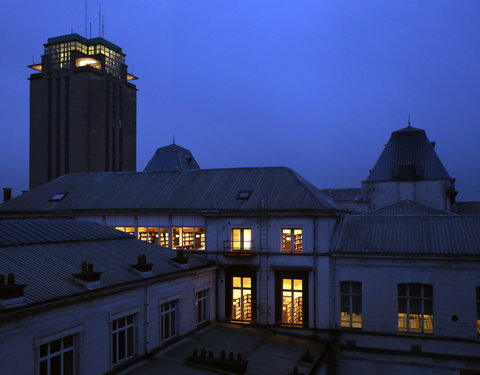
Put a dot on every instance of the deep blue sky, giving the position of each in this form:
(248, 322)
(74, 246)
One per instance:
(317, 85)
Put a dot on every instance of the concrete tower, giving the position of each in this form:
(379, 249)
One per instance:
(82, 110)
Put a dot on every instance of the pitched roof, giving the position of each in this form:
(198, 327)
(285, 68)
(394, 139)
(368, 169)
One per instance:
(408, 147)
(407, 207)
(273, 188)
(171, 158)
(429, 235)
(344, 194)
(48, 264)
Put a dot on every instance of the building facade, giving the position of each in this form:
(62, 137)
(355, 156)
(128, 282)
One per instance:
(82, 110)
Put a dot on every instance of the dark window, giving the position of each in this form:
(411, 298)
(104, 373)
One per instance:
(168, 320)
(58, 357)
(123, 339)
(201, 306)
(415, 308)
(351, 304)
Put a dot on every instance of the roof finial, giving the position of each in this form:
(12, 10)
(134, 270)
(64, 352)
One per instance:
(409, 125)
(173, 139)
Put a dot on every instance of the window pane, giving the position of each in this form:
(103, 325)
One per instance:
(415, 290)
(402, 289)
(43, 368)
(356, 288)
(68, 363)
(130, 341)
(114, 348)
(43, 350)
(345, 287)
(55, 346)
(68, 341)
(247, 282)
(297, 284)
(55, 365)
(121, 344)
(236, 282)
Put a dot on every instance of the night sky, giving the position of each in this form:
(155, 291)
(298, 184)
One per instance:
(317, 86)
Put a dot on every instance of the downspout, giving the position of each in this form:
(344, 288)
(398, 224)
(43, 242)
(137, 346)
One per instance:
(147, 319)
(315, 273)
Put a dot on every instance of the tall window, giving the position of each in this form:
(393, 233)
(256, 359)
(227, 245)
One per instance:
(168, 319)
(242, 299)
(478, 311)
(415, 308)
(58, 357)
(123, 339)
(351, 304)
(292, 301)
(201, 306)
(292, 240)
(241, 239)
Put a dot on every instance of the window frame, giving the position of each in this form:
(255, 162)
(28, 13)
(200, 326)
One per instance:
(115, 334)
(280, 275)
(424, 318)
(238, 271)
(244, 245)
(169, 312)
(352, 307)
(293, 240)
(201, 306)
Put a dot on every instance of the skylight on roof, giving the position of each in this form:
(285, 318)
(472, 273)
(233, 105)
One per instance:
(58, 197)
(244, 194)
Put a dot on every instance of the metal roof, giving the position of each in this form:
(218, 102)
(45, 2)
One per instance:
(408, 146)
(407, 207)
(468, 208)
(47, 268)
(25, 232)
(344, 194)
(272, 188)
(429, 235)
(171, 158)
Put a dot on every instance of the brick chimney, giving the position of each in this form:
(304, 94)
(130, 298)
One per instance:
(142, 268)
(88, 277)
(7, 194)
(11, 294)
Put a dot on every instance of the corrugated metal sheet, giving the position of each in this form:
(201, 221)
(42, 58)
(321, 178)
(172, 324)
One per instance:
(408, 146)
(47, 268)
(24, 232)
(468, 208)
(204, 189)
(433, 235)
(345, 194)
(171, 158)
(408, 208)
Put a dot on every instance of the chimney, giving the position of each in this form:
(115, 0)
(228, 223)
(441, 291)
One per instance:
(181, 259)
(7, 194)
(11, 294)
(88, 278)
(142, 268)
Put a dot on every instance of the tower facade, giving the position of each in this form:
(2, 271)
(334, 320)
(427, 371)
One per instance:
(82, 110)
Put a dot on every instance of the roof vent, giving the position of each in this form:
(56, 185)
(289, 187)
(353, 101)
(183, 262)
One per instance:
(58, 197)
(88, 278)
(11, 294)
(244, 194)
(7, 194)
(142, 268)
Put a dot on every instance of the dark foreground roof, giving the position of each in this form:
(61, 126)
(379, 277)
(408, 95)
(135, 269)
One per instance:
(171, 158)
(408, 146)
(47, 266)
(204, 189)
(429, 235)
(468, 208)
(408, 207)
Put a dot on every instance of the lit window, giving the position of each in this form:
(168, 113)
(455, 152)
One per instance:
(164, 234)
(123, 339)
(351, 304)
(129, 230)
(201, 306)
(292, 240)
(244, 195)
(415, 308)
(168, 320)
(241, 239)
(58, 196)
(58, 357)
(242, 299)
(292, 301)
(188, 238)
(149, 234)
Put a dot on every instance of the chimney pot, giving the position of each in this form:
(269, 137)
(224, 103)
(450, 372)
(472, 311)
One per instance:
(7, 194)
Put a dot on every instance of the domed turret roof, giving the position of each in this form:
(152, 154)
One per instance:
(171, 158)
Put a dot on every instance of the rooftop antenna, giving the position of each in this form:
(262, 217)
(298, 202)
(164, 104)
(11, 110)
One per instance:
(86, 19)
(90, 30)
(409, 125)
(100, 19)
(103, 26)
(33, 59)
(71, 31)
(173, 139)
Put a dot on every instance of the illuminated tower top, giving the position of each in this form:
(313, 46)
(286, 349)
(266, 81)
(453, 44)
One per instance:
(73, 50)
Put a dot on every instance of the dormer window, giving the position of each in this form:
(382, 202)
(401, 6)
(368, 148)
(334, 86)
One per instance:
(244, 194)
(58, 197)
